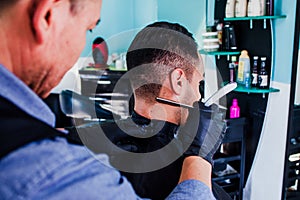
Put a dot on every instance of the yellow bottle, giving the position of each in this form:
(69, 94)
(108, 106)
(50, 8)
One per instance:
(243, 67)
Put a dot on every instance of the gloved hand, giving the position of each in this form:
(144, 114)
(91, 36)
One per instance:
(203, 132)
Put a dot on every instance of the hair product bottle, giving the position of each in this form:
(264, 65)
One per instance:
(263, 7)
(243, 67)
(219, 28)
(270, 7)
(234, 109)
(229, 9)
(240, 8)
(226, 37)
(229, 40)
(232, 37)
(254, 8)
(254, 82)
(231, 72)
(263, 77)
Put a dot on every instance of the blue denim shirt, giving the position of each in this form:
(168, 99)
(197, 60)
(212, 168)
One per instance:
(55, 169)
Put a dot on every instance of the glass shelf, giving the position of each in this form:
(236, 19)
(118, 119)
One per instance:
(220, 53)
(243, 89)
(255, 18)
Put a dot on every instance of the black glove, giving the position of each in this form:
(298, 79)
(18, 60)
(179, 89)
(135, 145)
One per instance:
(204, 131)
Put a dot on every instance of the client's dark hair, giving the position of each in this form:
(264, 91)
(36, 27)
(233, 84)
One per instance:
(160, 48)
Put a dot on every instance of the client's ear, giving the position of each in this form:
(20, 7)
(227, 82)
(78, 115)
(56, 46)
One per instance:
(178, 80)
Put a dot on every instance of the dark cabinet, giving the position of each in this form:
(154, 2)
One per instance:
(229, 166)
(291, 178)
(292, 165)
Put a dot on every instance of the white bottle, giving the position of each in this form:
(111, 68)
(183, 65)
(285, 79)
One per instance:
(254, 8)
(230, 7)
(262, 7)
(240, 8)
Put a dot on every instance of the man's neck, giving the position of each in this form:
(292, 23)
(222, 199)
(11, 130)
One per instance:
(5, 55)
(13, 44)
(158, 111)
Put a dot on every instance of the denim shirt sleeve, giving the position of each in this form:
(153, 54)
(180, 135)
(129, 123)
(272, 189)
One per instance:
(191, 189)
(54, 169)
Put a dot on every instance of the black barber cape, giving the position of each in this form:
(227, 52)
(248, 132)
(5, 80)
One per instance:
(144, 136)
(157, 184)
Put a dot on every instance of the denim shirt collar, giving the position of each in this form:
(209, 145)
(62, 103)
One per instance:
(14, 90)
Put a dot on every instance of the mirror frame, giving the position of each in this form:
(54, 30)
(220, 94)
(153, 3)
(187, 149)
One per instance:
(295, 67)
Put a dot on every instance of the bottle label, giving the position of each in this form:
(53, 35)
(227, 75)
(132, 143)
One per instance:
(254, 78)
(263, 80)
(240, 76)
(234, 112)
(247, 81)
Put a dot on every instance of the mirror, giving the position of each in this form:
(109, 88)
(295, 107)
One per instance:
(295, 81)
(297, 87)
(291, 187)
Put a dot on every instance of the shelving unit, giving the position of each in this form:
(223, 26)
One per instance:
(240, 87)
(258, 40)
(233, 182)
(252, 90)
(220, 53)
(255, 18)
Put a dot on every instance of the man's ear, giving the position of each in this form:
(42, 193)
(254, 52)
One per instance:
(178, 80)
(42, 19)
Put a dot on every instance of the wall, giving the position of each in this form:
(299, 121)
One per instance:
(122, 19)
(119, 21)
(190, 13)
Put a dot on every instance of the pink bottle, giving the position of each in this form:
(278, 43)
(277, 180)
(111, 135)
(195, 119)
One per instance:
(234, 109)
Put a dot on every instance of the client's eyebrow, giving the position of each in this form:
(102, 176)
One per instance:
(97, 22)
